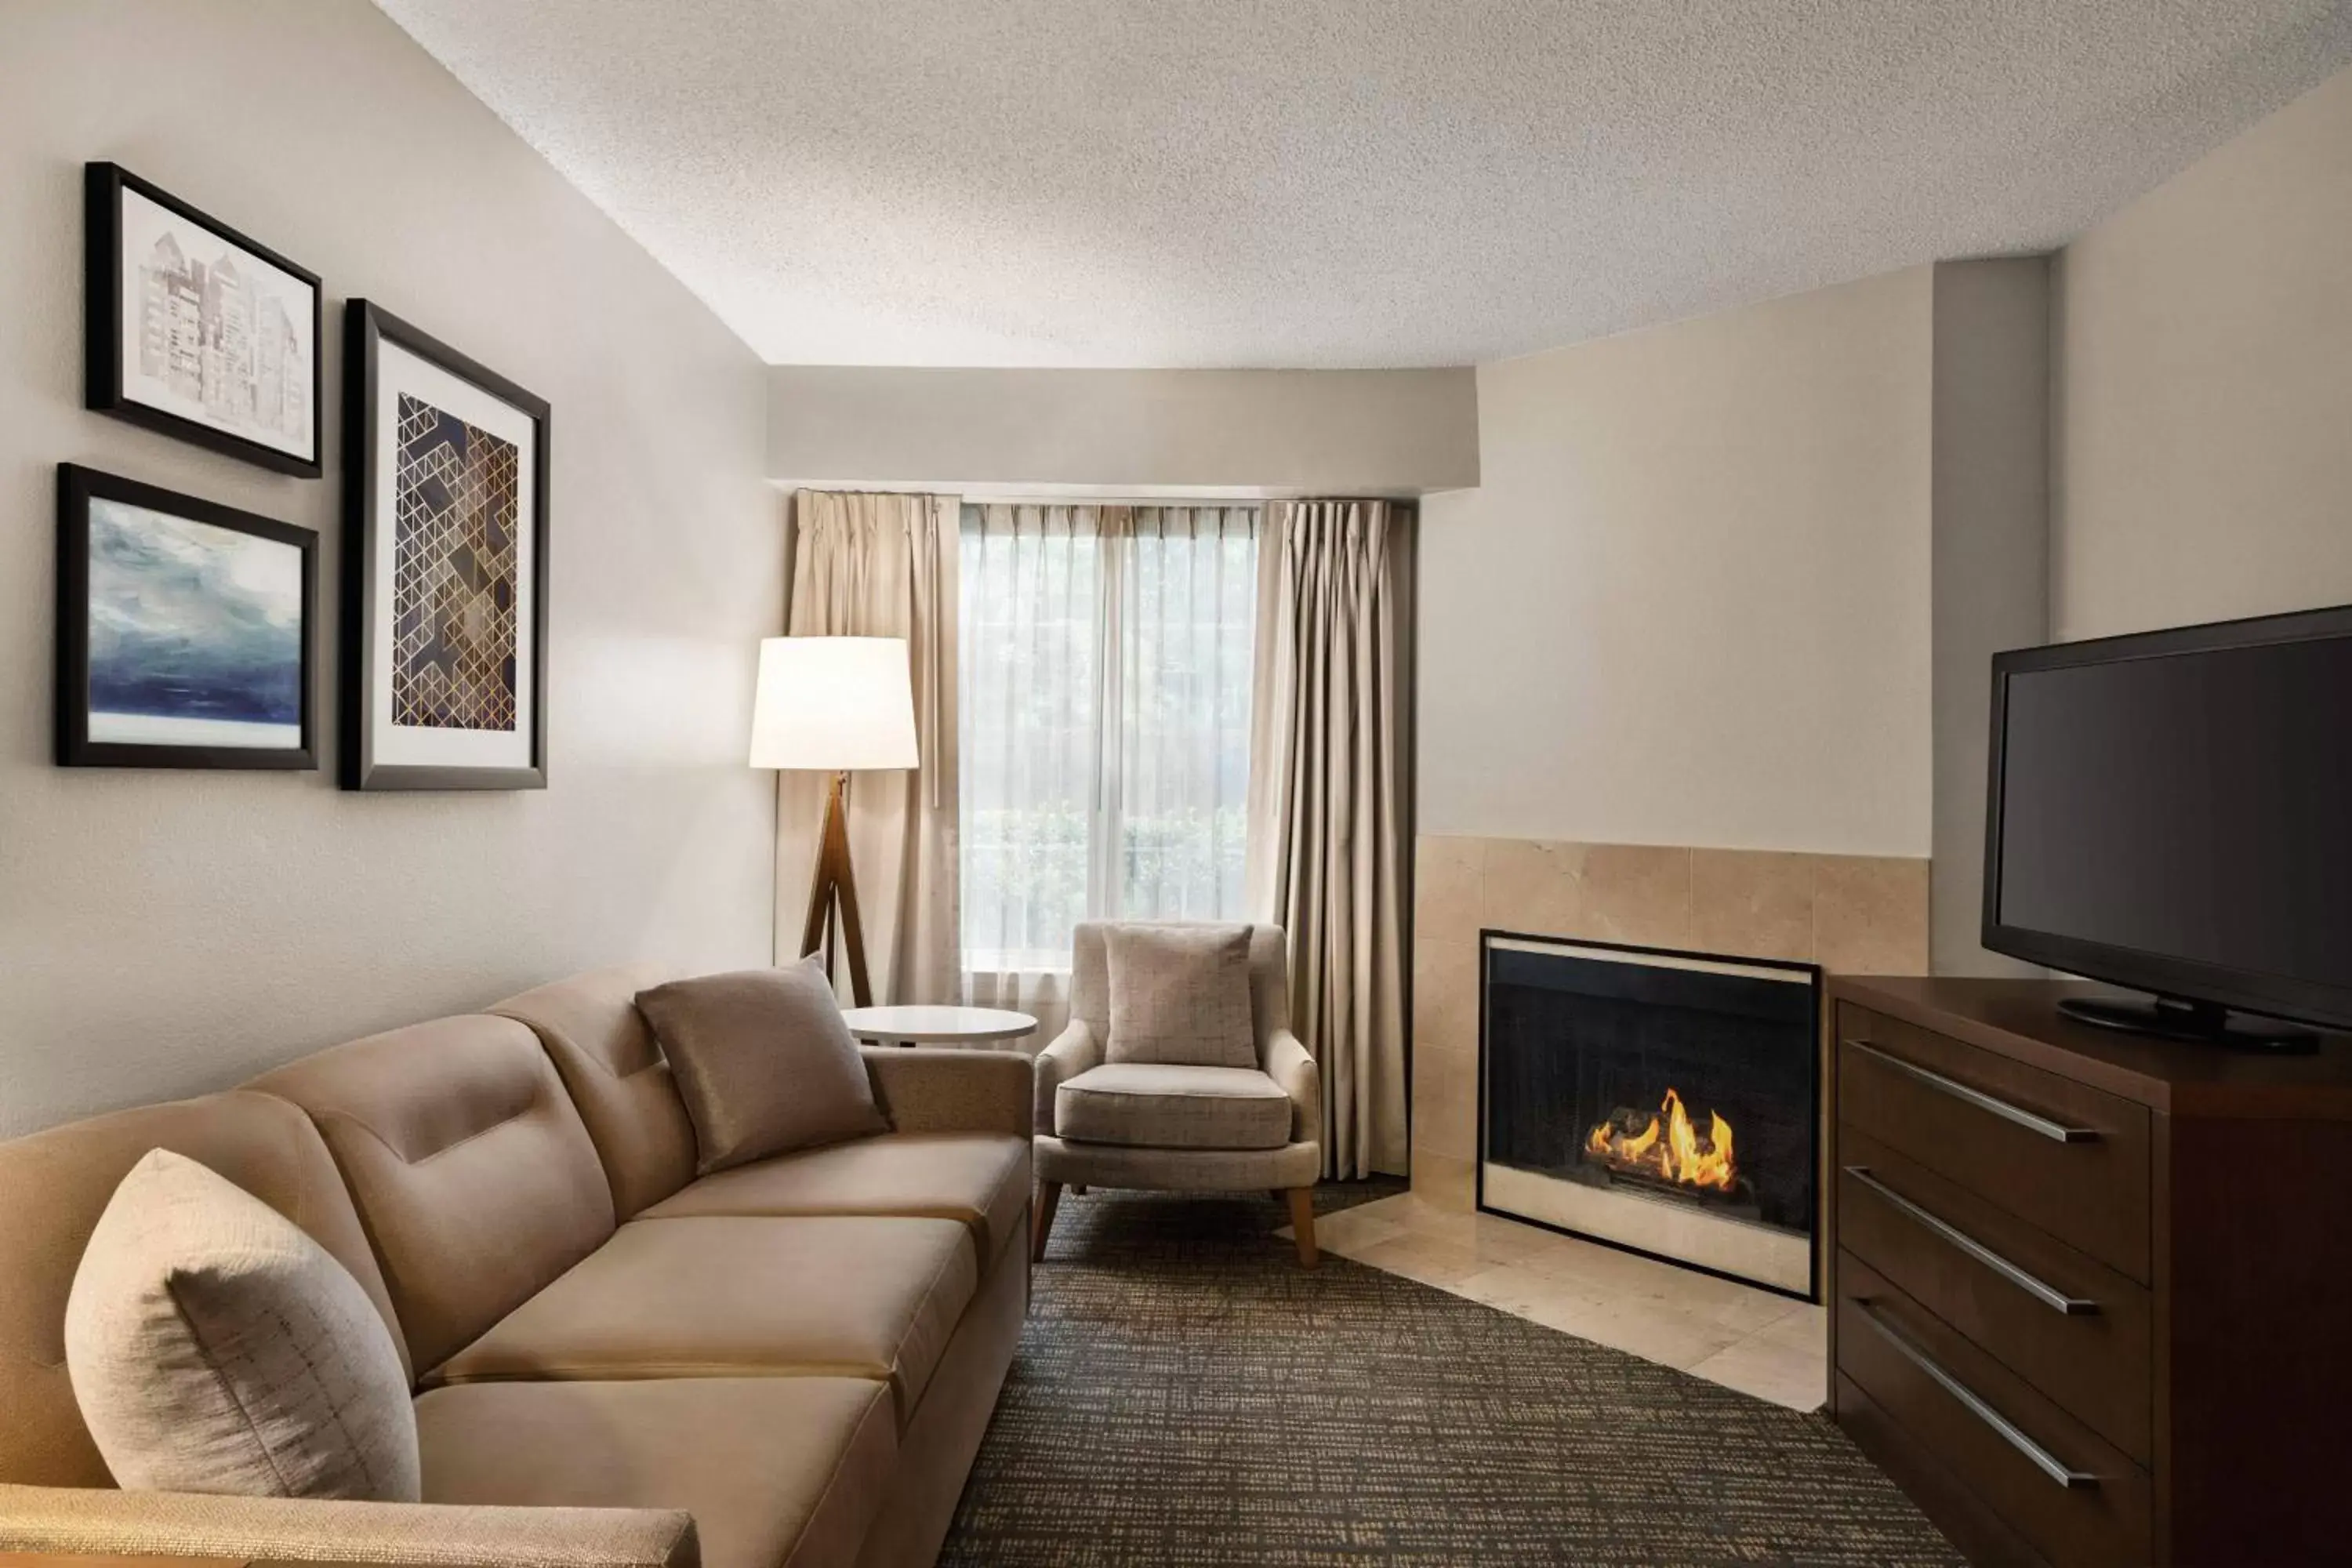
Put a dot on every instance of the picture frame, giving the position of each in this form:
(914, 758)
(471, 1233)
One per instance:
(193, 329)
(444, 566)
(186, 631)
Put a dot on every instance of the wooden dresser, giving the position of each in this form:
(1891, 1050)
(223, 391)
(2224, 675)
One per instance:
(2090, 1294)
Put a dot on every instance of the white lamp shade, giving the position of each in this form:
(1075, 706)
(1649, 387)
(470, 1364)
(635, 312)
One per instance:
(836, 704)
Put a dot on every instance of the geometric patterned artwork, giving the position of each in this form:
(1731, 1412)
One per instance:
(455, 523)
(450, 515)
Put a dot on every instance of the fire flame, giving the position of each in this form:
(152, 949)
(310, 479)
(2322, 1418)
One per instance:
(1671, 1150)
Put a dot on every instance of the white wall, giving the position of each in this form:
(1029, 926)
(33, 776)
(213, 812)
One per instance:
(1689, 602)
(2203, 465)
(1309, 432)
(167, 932)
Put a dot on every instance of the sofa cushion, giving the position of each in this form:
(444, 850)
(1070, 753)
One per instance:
(765, 1062)
(617, 1078)
(54, 1186)
(1180, 994)
(1149, 1105)
(475, 1178)
(214, 1348)
(981, 1179)
(726, 1296)
(788, 1471)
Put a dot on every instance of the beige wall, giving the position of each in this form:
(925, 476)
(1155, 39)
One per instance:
(2203, 465)
(1370, 432)
(166, 932)
(1688, 602)
(1991, 575)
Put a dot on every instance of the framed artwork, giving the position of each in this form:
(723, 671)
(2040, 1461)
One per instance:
(445, 567)
(195, 330)
(185, 631)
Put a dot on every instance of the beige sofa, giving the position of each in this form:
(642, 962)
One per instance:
(614, 1363)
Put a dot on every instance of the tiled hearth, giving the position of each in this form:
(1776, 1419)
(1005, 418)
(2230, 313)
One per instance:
(1757, 1343)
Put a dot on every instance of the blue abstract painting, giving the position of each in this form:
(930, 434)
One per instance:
(195, 632)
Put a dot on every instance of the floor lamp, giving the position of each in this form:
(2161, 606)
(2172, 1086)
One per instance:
(838, 706)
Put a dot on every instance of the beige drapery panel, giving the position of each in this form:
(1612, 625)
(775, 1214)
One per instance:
(1329, 849)
(883, 565)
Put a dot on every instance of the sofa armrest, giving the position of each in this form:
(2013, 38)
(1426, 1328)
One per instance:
(1074, 1050)
(1288, 1063)
(944, 1090)
(98, 1522)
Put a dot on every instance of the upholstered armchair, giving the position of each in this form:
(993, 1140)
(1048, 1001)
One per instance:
(1178, 1129)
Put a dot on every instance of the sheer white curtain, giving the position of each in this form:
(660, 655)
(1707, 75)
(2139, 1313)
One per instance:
(1104, 731)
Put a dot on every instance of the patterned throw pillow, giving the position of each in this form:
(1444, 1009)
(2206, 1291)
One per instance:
(215, 1348)
(1180, 994)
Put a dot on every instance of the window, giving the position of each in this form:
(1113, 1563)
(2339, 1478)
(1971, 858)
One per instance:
(1105, 716)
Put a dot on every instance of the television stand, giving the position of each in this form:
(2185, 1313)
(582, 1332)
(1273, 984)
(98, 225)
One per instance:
(2204, 1022)
(2088, 1291)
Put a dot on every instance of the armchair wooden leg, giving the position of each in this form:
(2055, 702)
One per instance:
(1302, 1224)
(1041, 1218)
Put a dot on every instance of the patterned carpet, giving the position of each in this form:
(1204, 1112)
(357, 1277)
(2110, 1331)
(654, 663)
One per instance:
(1186, 1396)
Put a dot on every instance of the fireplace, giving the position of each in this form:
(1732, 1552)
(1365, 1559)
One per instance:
(1664, 1102)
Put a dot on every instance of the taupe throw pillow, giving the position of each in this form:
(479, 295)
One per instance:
(215, 1348)
(1180, 994)
(765, 1062)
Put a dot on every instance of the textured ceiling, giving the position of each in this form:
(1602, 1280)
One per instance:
(1313, 183)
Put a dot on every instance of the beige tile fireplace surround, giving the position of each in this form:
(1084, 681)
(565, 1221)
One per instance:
(1850, 913)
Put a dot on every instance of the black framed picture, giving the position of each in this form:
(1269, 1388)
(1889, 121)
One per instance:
(195, 330)
(444, 566)
(186, 630)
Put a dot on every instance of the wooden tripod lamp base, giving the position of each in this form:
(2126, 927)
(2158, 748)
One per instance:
(835, 882)
(834, 705)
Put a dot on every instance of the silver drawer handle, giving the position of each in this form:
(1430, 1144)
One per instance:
(2056, 1132)
(2033, 1285)
(2048, 1463)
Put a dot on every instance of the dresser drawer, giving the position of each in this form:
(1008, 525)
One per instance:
(2068, 1159)
(2068, 1324)
(2072, 1497)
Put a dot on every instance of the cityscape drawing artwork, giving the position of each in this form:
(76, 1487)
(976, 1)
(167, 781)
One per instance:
(195, 633)
(214, 333)
(454, 600)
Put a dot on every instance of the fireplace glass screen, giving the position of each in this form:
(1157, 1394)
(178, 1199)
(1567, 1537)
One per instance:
(1666, 1103)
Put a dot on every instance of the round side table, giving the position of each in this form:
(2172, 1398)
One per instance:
(938, 1026)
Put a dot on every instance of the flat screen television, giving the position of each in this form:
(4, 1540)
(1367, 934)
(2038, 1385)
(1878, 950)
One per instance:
(2172, 812)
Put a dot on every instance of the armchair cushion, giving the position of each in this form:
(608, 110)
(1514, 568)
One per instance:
(1180, 994)
(1151, 1105)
